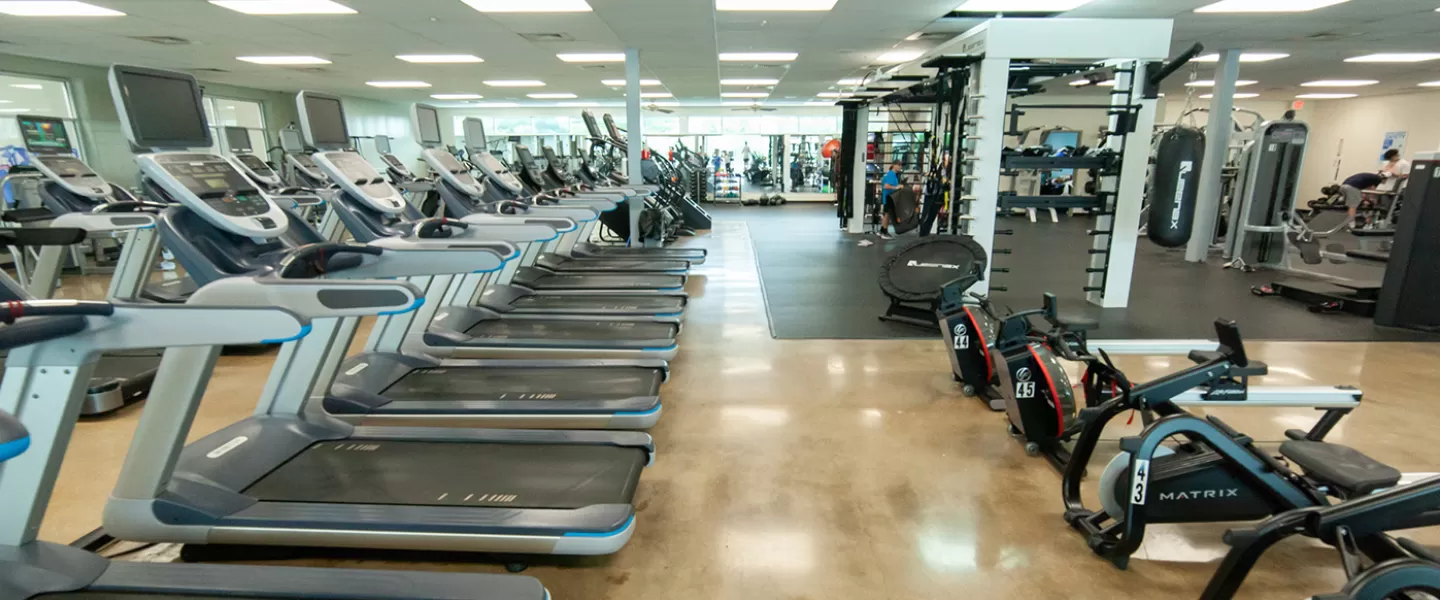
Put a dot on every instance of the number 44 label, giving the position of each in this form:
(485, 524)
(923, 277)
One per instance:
(1139, 482)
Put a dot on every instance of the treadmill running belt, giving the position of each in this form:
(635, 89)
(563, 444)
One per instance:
(455, 474)
(563, 329)
(519, 384)
(634, 302)
(604, 281)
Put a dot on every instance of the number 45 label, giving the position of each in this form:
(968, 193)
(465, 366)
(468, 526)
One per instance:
(1139, 482)
(1025, 389)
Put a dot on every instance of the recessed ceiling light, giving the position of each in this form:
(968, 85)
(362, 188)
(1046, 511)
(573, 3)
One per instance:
(834, 95)
(397, 84)
(745, 95)
(989, 6)
(1259, 6)
(552, 96)
(1237, 96)
(1340, 83)
(28, 86)
(1395, 57)
(758, 56)
(285, 7)
(1211, 83)
(750, 103)
(577, 104)
(1107, 83)
(851, 81)
(592, 57)
(514, 83)
(1431, 83)
(456, 96)
(284, 60)
(1326, 96)
(12, 101)
(898, 56)
(775, 5)
(656, 95)
(760, 81)
(511, 6)
(50, 8)
(1081, 82)
(914, 36)
(621, 82)
(1246, 57)
(440, 58)
(496, 105)
(818, 103)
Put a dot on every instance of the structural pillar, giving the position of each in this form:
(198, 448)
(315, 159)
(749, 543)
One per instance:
(634, 141)
(857, 172)
(1217, 148)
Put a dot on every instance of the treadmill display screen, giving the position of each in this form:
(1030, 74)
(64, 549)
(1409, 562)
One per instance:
(429, 121)
(221, 187)
(164, 109)
(45, 136)
(238, 139)
(326, 118)
(255, 165)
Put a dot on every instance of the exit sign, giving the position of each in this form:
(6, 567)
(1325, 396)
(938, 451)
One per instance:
(1297, 105)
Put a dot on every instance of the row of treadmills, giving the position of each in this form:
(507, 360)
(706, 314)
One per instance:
(496, 407)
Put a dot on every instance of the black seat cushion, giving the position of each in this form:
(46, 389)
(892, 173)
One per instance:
(1073, 323)
(1344, 468)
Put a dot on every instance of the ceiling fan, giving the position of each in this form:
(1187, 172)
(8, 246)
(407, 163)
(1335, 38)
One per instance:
(657, 108)
(755, 108)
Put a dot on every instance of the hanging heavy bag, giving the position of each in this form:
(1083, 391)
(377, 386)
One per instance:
(907, 209)
(1175, 186)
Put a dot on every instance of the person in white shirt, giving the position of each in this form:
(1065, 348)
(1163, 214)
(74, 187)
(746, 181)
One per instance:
(1395, 170)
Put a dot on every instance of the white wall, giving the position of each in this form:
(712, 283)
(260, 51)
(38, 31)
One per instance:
(1346, 135)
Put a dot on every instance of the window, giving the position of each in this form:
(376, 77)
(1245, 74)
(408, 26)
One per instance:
(819, 125)
(739, 125)
(225, 112)
(705, 125)
(779, 125)
(26, 95)
(659, 125)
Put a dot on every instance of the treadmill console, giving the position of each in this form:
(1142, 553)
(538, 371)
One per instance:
(358, 177)
(257, 170)
(211, 186)
(496, 171)
(395, 164)
(451, 170)
(71, 174)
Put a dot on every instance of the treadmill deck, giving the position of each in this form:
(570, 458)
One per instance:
(565, 329)
(442, 384)
(455, 474)
(602, 303)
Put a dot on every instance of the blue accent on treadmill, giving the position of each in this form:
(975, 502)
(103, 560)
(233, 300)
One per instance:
(619, 530)
(674, 314)
(672, 289)
(14, 448)
(304, 331)
(420, 301)
(150, 226)
(490, 270)
(670, 347)
(639, 413)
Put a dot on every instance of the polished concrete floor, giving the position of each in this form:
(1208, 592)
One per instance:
(855, 469)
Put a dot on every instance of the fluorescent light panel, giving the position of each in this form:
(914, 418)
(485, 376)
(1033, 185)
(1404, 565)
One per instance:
(284, 60)
(1395, 57)
(514, 83)
(1326, 96)
(28, 86)
(1267, 6)
(817, 103)
(1431, 83)
(656, 95)
(456, 96)
(497, 105)
(1211, 83)
(898, 56)
(851, 81)
(1236, 96)
(285, 7)
(621, 82)
(775, 5)
(62, 8)
(759, 81)
(1245, 57)
(397, 84)
(1339, 83)
(577, 104)
(553, 96)
(749, 103)
(1107, 83)
(744, 95)
(592, 57)
(439, 58)
(1014, 6)
(758, 56)
(528, 6)
(834, 95)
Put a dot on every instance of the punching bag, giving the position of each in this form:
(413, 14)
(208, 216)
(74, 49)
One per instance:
(1176, 186)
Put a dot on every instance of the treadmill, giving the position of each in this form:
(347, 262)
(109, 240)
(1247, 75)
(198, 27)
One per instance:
(52, 356)
(241, 154)
(290, 476)
(371, 209)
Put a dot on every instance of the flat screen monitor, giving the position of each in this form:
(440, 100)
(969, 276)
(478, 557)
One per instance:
(475, 133)
(44, 135)
(324, 118)
(290, 141)
(238, 139)
(382, 144)
(162, 108)
(590, 124)
(427, 119)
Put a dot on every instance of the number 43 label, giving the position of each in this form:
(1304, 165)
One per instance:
(1139, 482)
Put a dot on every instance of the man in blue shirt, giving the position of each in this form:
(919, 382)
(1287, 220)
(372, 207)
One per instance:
(889, 184)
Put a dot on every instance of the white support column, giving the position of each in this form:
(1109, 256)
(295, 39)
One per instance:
(1124, 224)
(783, 169)
(634, 141)
(985, 119)
(1217, 147)
(857, 179)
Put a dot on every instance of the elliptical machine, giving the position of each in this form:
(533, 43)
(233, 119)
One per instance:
(1216, 473)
